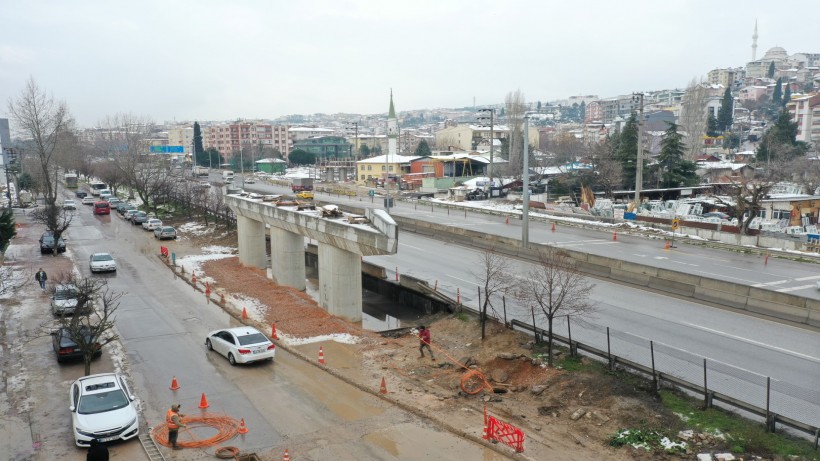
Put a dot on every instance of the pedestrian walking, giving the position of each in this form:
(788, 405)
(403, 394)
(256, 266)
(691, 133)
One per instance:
(97, 451)
(174, 421)
(41, 277)
(424, 341)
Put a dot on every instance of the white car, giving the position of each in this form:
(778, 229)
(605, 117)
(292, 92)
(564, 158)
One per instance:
(102, 262)
(102, 408)
(151, 224)
(89, 200)
(69, 204)
(241, 345)
(64, 300)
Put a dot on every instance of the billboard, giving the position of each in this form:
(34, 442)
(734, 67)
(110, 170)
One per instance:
(167, 149)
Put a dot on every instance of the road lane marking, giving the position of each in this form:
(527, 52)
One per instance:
(803, 279)
(755, 343)
(803, 287)
(471, 282)
(411, 246)
(766, 284)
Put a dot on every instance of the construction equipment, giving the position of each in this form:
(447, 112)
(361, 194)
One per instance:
(150, 447)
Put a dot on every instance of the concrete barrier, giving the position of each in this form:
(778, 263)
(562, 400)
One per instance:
(672, 286)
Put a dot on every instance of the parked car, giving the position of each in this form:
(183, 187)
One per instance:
(80, 194)
(151, 224)
(102, 262)
(129, 211)
(205, 184)
(47, 244)
(69, 204)
(138, 217)
(102, 408)
(102, 208)
(165, 232)
(113, 201)
(88, 200)
(241, 345)
(67, 349)
(65, 299)
(122, 206)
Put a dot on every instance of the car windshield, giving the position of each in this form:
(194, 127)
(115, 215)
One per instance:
(101, 258)
(168, 229)
(102, 401)
(65, 293)
(254, 338)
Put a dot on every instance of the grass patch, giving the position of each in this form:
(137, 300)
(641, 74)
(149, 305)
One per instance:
(463, 317)
(742, 435)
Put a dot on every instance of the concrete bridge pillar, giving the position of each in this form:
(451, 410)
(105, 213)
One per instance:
(340, 282)
(251, 239)
(287, 260)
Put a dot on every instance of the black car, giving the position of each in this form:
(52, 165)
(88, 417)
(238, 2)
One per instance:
(67, 349)
(47, 243)
(80, 194)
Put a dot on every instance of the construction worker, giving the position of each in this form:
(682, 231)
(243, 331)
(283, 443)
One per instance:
(174, 421)
(424, 341)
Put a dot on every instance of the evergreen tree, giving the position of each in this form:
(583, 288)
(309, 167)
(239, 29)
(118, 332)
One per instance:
(582, 111)
(777, 95)
(197, 140)
(676, 171)
(787, 95)
(539, 106)
(7, 228)
(423, 149)
(26, 182)
(711, 125)
(770, 72)
(627, 153)
(364, 150)
(780, 142)
(302, 157)
(724, 117)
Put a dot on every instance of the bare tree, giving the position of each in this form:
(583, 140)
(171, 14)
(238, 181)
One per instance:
(91, 326)
(515, 108)
(42, 119)
(557, 288)
(608, 173)
(693, 118)
(56, 219)
(495, 278)
(747, 194)
(111, 174)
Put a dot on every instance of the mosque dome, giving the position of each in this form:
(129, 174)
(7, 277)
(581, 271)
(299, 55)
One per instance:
(775, 54)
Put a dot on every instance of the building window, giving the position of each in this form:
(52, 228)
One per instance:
(781, 214)
(369, 167)
(361, 177)
(382, 167)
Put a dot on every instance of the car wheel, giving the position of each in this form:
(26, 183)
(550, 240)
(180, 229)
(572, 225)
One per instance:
(209, 345)
(231, 359)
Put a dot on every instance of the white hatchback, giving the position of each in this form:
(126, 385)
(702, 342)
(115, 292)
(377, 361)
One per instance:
(241, 345)
(102, 262)
(151, 224)
(102, 408)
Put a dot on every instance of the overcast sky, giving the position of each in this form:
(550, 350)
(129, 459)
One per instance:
(216, 60)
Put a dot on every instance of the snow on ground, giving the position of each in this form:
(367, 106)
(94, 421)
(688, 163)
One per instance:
(195, 228)
(257, 311)
(345, 338)
(194, 262)
(216, 249)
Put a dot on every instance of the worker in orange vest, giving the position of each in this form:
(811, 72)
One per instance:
(174, 421)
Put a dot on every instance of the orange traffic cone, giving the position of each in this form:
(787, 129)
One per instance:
(766, 260)
(553, 227)
(287, 456)
(614, 236)
(458, 295)
(667, 246)
(273, 334)
(383, 389)
(507, 221)
(242, 428)
(203, 402)
(207, 288)
(321, 355)
(244, 313)
(174, 384)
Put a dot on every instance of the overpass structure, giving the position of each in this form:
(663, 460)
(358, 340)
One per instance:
(342, 241)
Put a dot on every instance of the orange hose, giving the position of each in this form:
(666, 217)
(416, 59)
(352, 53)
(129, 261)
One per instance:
(473, 381)
(227, 428)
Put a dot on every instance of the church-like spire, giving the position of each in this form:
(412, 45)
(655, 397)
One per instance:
(392, 112)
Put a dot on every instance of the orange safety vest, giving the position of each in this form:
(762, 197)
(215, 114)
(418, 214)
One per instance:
(169, 420)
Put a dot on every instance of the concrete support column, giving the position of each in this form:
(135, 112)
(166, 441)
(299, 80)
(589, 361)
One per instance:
(287, 258)
(251, 239)
(340, 282)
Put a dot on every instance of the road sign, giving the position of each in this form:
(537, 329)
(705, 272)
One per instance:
(675, 224)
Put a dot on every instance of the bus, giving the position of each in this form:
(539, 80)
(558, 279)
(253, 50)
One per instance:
(96, 187)
(70, 180)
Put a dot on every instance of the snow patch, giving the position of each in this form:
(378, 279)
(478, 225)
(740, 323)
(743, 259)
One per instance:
(344, 338)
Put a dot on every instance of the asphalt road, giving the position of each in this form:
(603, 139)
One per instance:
(290, 404)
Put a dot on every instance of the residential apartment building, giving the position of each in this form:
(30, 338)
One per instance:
(621, 106)
(182, 136)
(725, 77)
(805, 111)
(229, 138)
(468, 137)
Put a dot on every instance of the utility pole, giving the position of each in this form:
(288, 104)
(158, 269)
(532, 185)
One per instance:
(525, 229)
(638, 98)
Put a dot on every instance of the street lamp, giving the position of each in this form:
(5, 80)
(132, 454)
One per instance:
(637, 98)
(484, 117)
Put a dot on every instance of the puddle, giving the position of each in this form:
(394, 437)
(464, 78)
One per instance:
(401, 442)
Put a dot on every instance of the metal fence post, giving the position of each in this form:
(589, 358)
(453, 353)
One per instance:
(608, 349)
(655, 382)
(504, 305)
(448, 210)
(768, 397)
(572, 349)
(705, 387)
